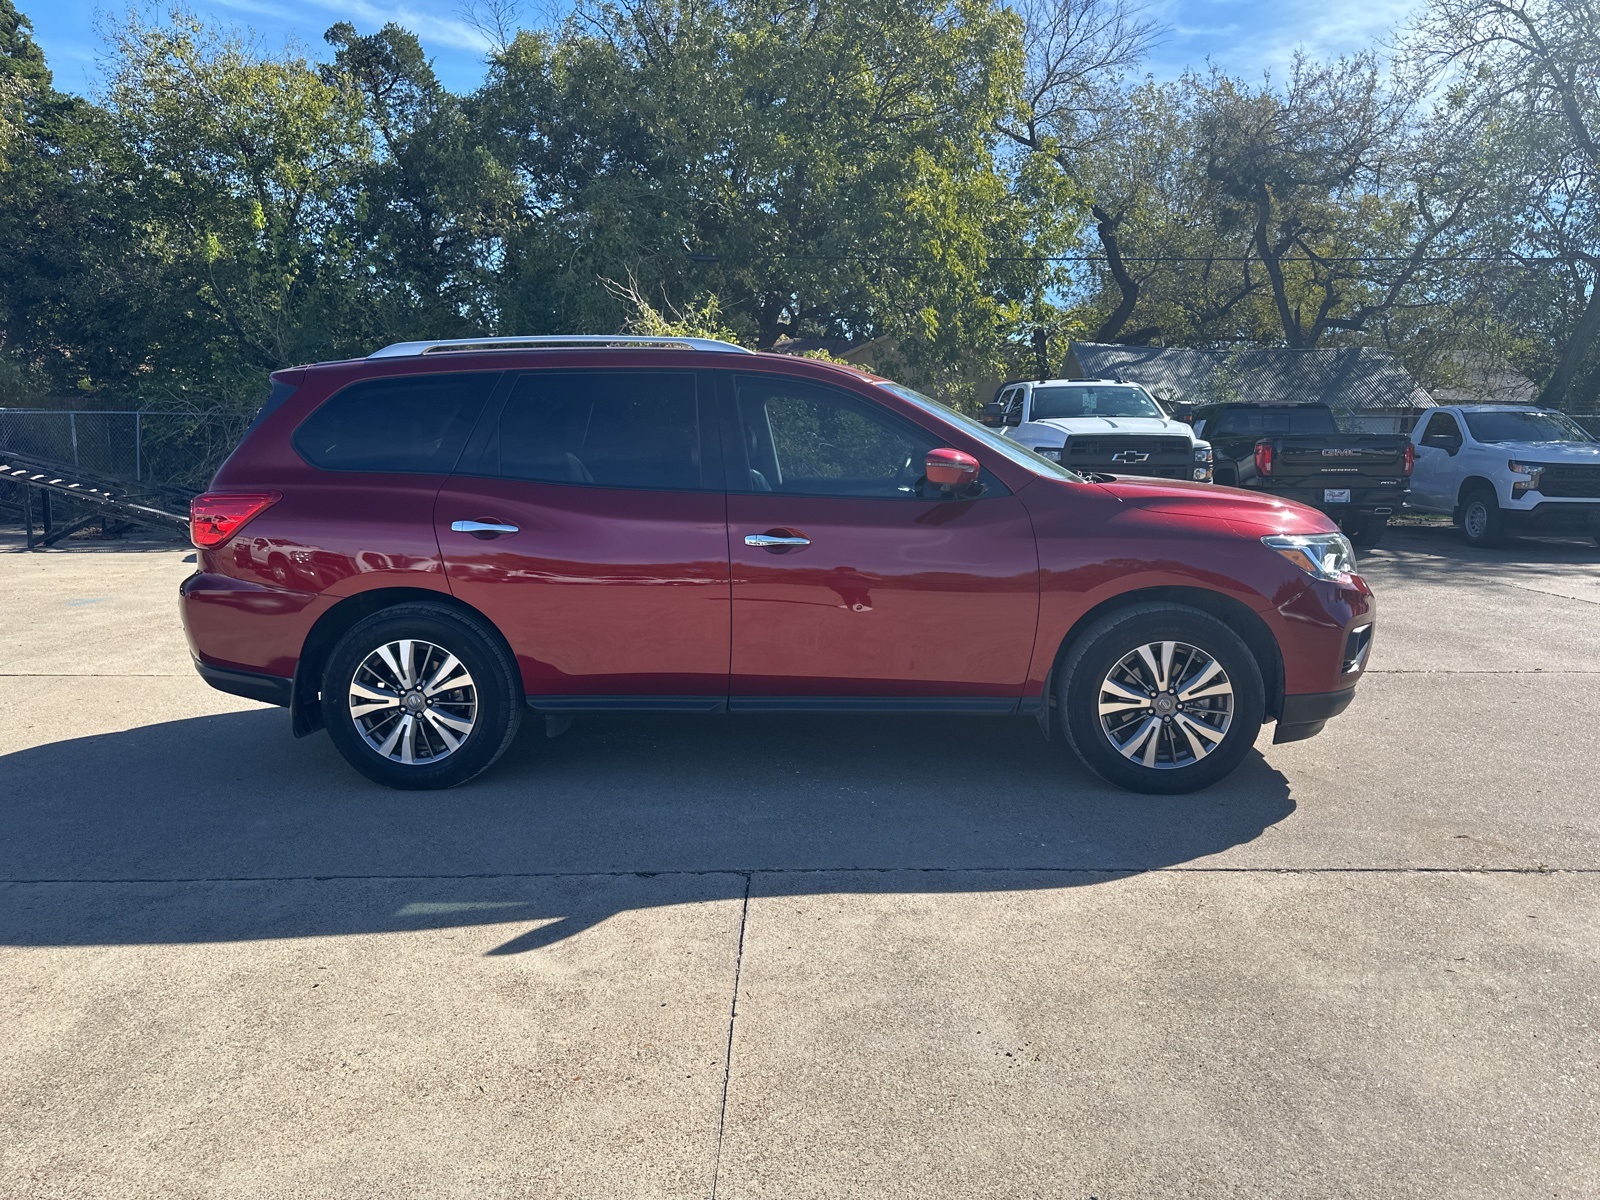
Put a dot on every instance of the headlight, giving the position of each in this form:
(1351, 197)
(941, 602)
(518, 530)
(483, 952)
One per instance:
(1202, 452)
(1052, 455)
(1324, 555)
(1530, 472)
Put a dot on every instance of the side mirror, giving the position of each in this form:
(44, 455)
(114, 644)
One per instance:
(950, 470)
(1442, 441)
(994, 414)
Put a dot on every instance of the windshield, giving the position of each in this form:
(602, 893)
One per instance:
(1020, 455)
(1525, 427)
(1256, 421)
(1093, 400)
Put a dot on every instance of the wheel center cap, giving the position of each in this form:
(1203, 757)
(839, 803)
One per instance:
(414, 702)
(1165, 705)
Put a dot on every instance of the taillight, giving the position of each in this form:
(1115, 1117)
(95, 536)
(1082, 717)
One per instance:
(1263, 458)
(1411, 458)
(217, 516)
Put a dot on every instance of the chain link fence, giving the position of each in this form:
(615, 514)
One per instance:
(180, 448)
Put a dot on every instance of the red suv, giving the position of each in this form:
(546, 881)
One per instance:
(413, 549)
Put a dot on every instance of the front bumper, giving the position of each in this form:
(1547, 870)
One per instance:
(1326, 641)
(1304, 716)
(1556, 516)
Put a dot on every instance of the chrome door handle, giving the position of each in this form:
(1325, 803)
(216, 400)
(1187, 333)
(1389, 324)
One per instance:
(767, 541)
(481, 527)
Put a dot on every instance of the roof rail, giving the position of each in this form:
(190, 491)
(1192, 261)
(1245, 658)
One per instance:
(553, 342)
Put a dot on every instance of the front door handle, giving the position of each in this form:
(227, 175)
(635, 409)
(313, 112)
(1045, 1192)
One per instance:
(482, 528)
(774, 541)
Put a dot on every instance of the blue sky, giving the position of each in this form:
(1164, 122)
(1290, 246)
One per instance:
(1241, 36)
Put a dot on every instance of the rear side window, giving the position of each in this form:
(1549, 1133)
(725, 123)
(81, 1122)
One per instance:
(621, 429)
(414, 424)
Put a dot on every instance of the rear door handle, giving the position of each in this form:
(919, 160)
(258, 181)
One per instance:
(482, 528)
(769, 541)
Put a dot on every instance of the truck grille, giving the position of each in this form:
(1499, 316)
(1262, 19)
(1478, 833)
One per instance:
(1104, 447)
(1563, 481)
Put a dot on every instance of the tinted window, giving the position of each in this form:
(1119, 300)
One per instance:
(1266, 421)
(633, 429)
(1525, 427)
(1093, 400)
(808, 440)
(280, 392)
(414, 424)
(1442, 425)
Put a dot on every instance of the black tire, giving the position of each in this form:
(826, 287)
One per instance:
(1366, 532)
(1119, 634)
(495, 707)
(1481, 521)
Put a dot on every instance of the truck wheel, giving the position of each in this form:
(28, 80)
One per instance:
(1480, 518)
(1366, 532)
(421, 696)
(1160, 698)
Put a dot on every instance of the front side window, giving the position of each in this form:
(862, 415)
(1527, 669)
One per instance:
(1016, 452)
(1013, 406)
(623, 429)
(416, 423)
(1442, 425)
(805, 439)
(1093, 400)
(1494, 427)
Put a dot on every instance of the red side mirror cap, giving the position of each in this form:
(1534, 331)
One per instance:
(949, 468)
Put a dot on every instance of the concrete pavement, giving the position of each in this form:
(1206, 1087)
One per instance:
(804, 957)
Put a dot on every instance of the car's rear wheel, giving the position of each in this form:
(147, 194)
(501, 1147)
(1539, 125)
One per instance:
(1160, 698)
(1480, 518)
(421, 696)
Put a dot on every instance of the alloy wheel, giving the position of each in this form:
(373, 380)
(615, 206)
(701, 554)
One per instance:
(413, 702)
(1166, 705)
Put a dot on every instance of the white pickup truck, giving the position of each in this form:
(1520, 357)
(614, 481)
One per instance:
(1099, 425)
(1499, 469)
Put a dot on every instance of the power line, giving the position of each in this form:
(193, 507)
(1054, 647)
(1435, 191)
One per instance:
(1510, 260)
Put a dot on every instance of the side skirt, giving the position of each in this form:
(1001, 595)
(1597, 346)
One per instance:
(976, 706)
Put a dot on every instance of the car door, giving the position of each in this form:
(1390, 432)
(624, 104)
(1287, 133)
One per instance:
(1435, 475)
(852, 586)
(590, 526)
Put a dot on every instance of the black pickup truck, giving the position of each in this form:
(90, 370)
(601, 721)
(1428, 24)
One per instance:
(1296, 451)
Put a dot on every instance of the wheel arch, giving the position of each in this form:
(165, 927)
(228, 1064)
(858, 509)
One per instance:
(1471, 484)
(1233, 613)
(305, 707)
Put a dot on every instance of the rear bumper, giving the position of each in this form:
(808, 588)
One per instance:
(1364, 501)
(1305, 715)
(252, 685)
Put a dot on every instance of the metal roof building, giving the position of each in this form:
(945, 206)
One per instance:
(1366, 386)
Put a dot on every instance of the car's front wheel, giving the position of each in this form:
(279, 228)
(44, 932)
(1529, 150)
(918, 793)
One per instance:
(1480, 518)
(1160, 698)
(420, 696)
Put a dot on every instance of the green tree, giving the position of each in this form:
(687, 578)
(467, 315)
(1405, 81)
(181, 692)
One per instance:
(1524, 77)
(825, 169)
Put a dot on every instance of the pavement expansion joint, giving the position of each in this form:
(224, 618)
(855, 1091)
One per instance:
(727, 1059)
(750, 872)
